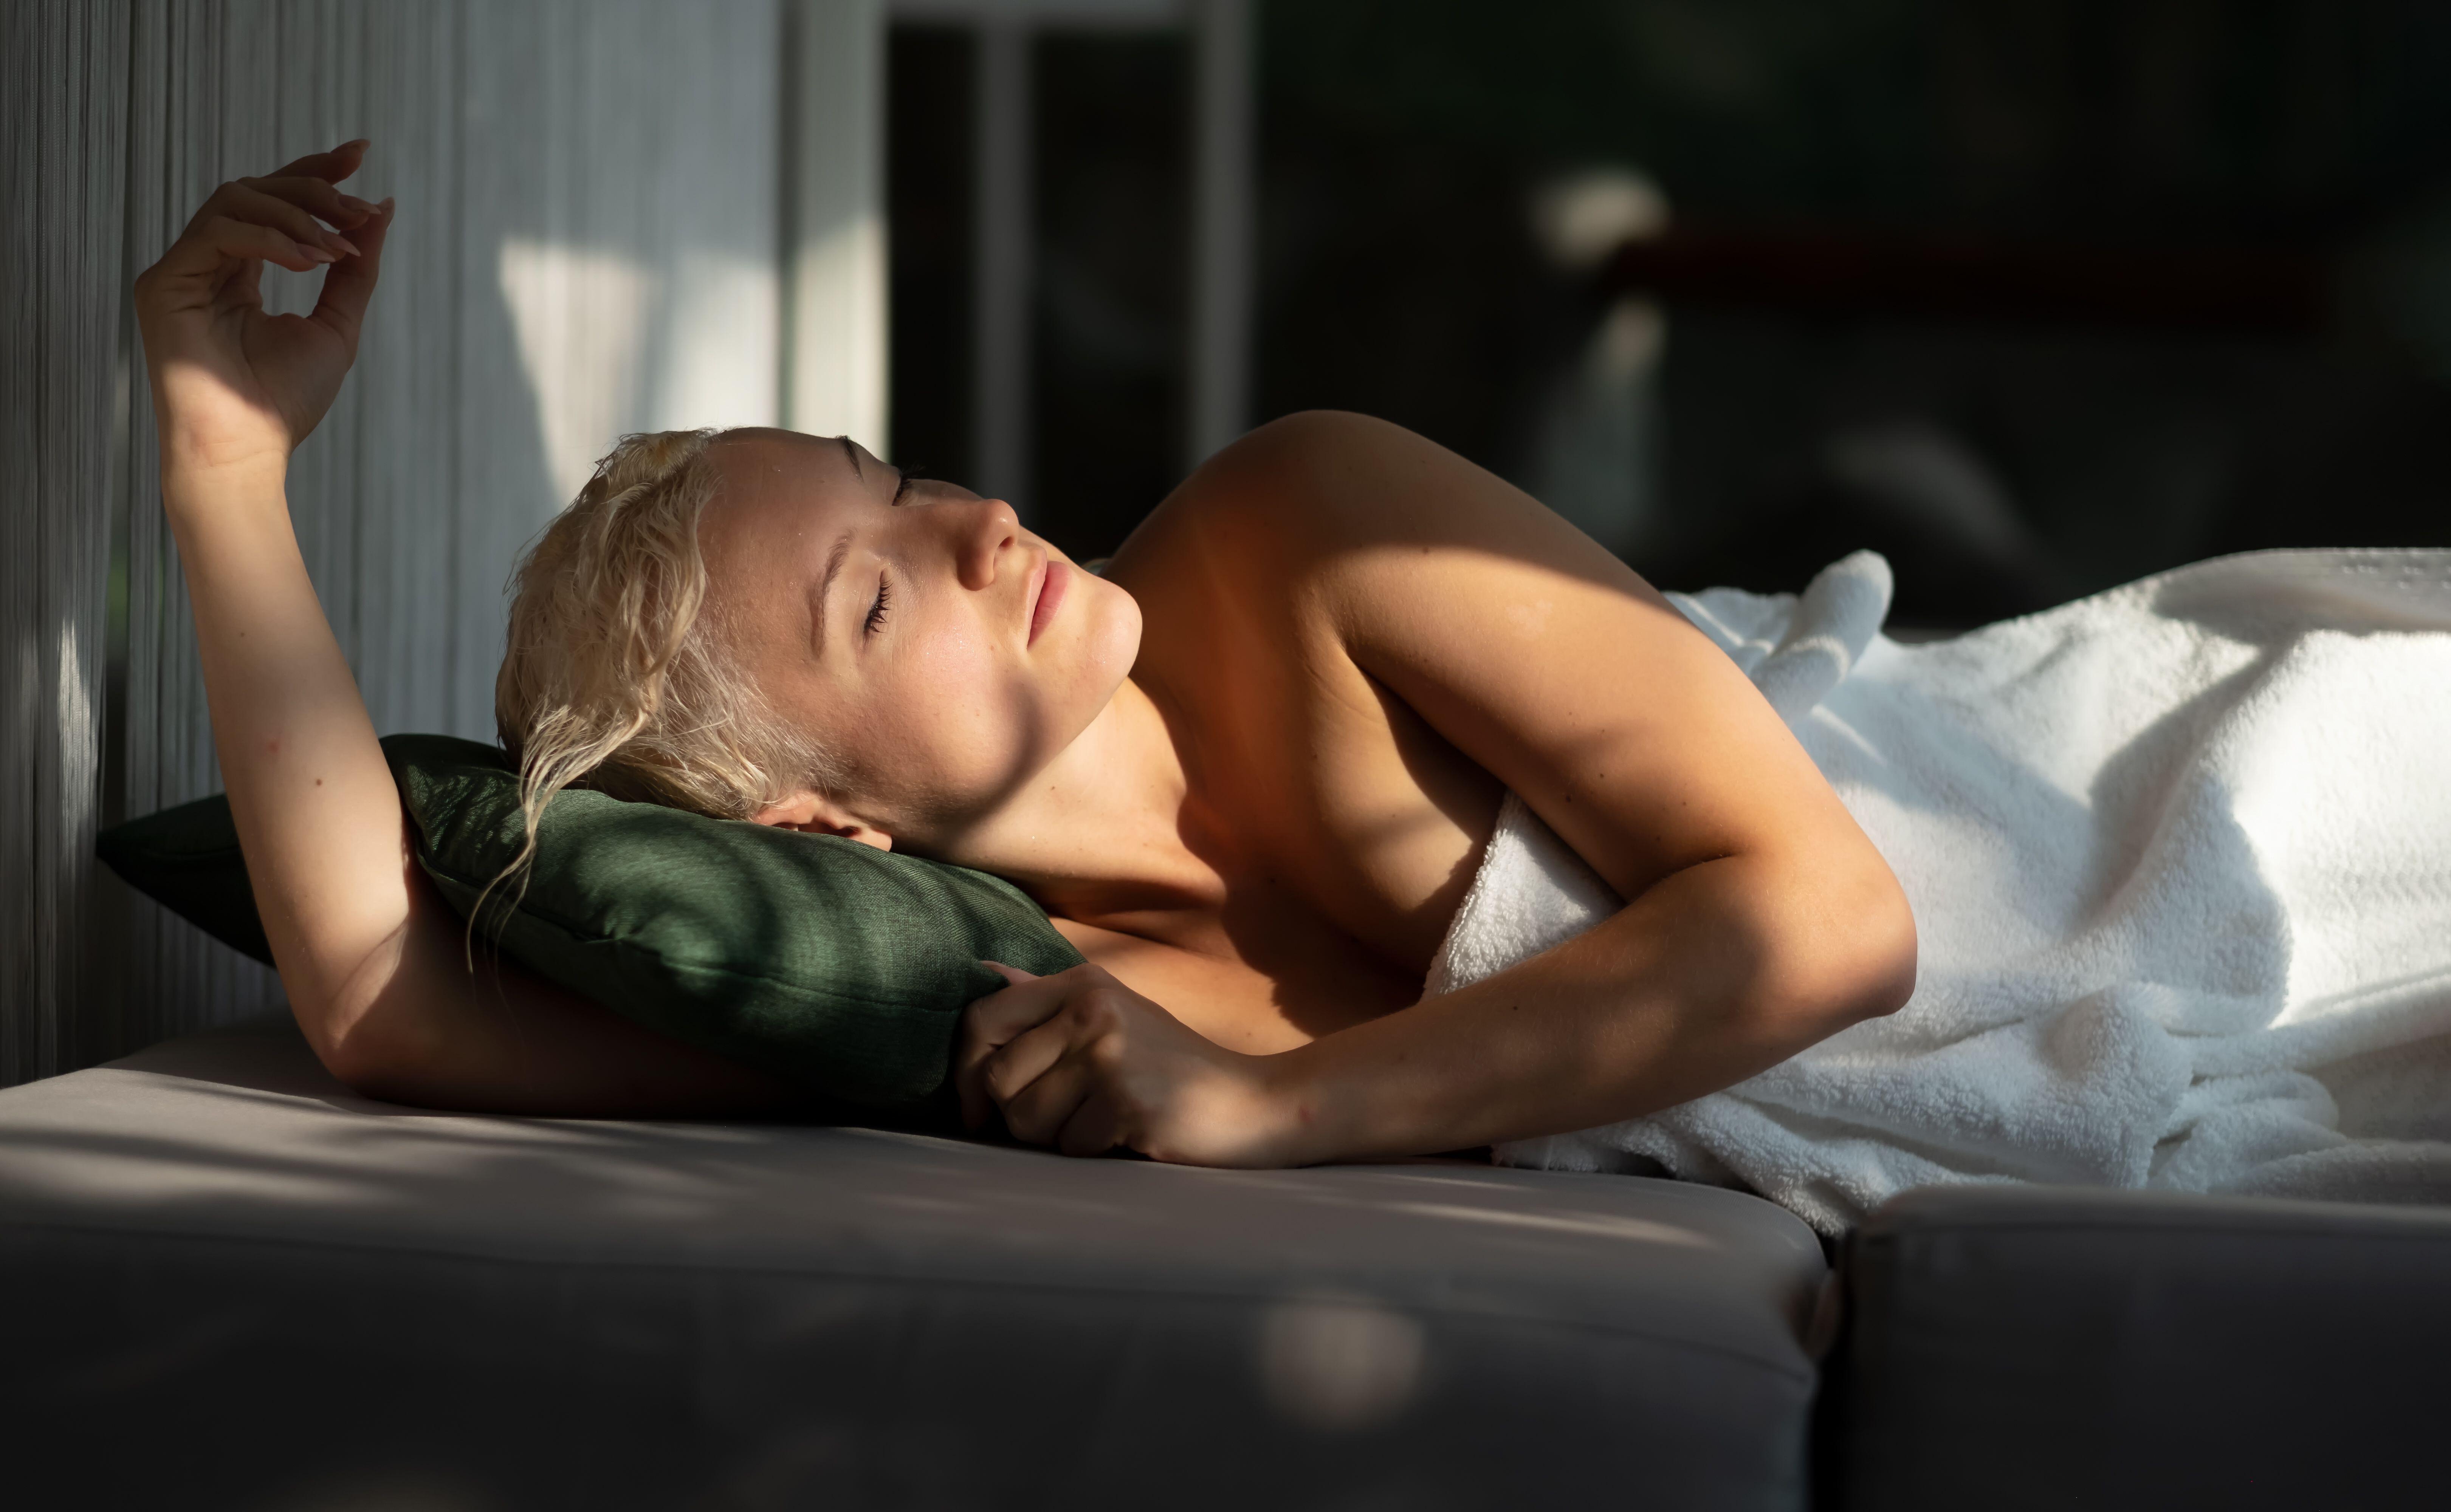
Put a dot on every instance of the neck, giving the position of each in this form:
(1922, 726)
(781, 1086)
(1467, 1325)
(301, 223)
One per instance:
(1098, 836)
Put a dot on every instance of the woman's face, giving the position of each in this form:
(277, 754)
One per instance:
(940, 652)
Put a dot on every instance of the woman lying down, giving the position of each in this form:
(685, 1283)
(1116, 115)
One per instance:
(1337, 683)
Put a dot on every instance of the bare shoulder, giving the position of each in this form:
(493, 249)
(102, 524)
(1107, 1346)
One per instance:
(1531, 649)
(1335, 501)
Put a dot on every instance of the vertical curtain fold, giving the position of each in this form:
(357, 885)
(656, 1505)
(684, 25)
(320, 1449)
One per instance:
(63, 82)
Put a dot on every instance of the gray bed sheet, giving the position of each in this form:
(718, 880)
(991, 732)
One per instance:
(234, 1283)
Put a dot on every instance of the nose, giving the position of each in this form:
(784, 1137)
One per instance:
(985, 527)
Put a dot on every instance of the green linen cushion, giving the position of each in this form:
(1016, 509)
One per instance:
(834, 964)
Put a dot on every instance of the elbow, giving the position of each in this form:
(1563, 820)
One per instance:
(373, 1053)
(369, 1025)
(1885, 977)
(1868, 947)
(366, 1073)
(359, 1062)
(1843, 952)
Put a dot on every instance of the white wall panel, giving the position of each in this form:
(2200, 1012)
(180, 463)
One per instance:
(617, 254)
(588, 241)
(834, 359)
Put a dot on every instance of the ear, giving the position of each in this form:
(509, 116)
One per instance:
(810, 814)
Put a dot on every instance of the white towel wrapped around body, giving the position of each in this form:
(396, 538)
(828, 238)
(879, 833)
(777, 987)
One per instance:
(2180, 860)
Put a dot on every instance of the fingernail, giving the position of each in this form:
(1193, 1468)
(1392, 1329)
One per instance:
(351, 202)
(341, 241)
(385, 206)
(314, 254)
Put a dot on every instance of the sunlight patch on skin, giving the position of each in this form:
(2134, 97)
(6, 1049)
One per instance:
(1529, 619)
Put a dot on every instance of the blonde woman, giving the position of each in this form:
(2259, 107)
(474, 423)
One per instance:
(1247, 772)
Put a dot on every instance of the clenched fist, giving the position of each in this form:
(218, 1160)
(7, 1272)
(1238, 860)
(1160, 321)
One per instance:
(1080, 1062)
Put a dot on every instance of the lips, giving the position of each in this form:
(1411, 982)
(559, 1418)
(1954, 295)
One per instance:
(1051, 586)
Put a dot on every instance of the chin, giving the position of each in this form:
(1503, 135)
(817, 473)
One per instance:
(1098, 651)
(1110, 636)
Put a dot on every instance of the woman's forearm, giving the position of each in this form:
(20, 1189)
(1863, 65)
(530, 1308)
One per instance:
(317, 813)
(1712, 974)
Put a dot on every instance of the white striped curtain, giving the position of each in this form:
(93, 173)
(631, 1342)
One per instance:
(587, 241)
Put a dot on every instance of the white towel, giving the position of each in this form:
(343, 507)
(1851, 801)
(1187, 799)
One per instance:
(2180, 859)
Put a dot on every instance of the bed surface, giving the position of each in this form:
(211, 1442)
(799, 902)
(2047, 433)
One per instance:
(257, 1289)
(2016, 1348)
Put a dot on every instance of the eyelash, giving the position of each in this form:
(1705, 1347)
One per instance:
(878, 611)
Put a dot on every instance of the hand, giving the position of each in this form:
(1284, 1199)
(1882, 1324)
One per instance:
(1082, 1063)
(232, 385)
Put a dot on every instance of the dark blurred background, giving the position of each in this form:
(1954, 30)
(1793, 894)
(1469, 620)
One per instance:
(2035, 296)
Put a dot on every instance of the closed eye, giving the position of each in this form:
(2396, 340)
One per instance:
(877, 611)
(884, 603)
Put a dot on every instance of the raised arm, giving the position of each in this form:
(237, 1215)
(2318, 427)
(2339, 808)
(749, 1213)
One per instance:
(370, 957)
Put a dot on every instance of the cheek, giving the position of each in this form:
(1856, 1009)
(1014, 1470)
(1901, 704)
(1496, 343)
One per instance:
(960, 722)
(962, 719)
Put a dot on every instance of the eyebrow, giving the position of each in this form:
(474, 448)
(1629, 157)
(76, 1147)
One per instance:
(835, 560)
(852, 452)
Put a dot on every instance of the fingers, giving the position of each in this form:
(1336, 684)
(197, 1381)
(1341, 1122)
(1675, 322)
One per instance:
(331, 167)
(1039, 1112)
(211, 242)
(1008, 1072)
(242, 201)
(248, 223)
(993, 1022)
(1043, 1077)
(1013, 1041)
(1092, 1130)
(1013, 975)
(316, 197)
(242, 223)
(351, 283)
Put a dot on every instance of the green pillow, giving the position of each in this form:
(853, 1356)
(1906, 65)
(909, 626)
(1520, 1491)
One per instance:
(834, 964)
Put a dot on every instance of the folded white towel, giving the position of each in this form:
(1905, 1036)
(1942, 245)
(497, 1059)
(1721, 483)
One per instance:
(2180, 859)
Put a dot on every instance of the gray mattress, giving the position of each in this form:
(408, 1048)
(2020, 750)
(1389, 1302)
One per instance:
(235, 1285)
(2046, 1348)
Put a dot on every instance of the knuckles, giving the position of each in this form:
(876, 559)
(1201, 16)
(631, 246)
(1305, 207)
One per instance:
(1094, 1019)
(1098, 1012)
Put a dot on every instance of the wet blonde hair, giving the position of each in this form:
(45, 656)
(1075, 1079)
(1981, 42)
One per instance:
(614, 676)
